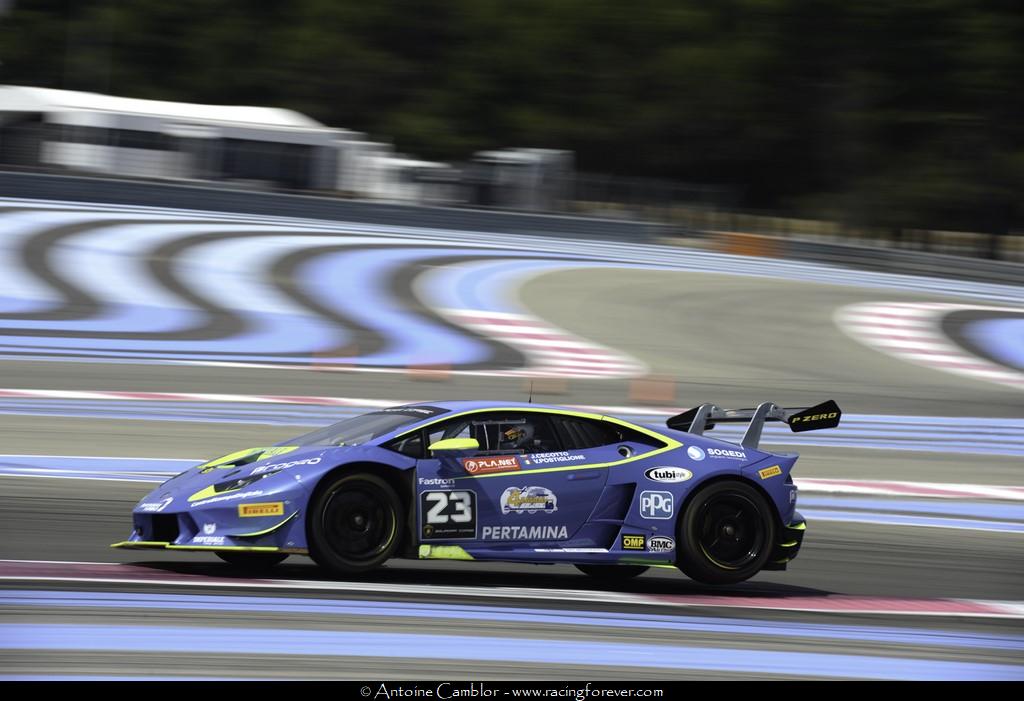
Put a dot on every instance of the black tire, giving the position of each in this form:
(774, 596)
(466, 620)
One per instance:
(354, 524)
(612, 573)
(726, 533)
(255, 561)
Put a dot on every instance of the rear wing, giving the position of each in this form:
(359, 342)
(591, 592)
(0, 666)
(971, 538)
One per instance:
(704, 417)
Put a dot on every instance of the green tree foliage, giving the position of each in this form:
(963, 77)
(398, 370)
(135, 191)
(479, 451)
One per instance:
(889, 112)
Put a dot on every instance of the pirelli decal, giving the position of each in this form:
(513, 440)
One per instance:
(270, 508)
(770, 472)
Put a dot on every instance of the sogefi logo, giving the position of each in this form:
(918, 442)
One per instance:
(734, 454)
(696, 453)
(668, 474)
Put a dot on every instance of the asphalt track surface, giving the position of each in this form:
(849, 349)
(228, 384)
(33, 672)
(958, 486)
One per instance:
(732, 340)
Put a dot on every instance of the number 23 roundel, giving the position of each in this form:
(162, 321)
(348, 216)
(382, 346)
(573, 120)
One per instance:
(448, 515)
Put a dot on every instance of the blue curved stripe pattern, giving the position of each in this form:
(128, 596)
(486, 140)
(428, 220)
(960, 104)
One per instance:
(354, 270)
(1002, 338)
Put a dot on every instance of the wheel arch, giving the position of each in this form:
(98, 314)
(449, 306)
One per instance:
(729, 477)
(399, 480)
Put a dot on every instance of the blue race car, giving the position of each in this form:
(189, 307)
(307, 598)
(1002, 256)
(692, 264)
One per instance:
(497, 481)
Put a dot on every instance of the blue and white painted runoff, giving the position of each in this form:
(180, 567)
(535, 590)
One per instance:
(275, 642)
(106, 283)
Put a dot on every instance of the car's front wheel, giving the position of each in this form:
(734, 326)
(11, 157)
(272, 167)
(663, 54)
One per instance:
(726, 533)
(354, 524)
(612, 573)
(254, 561)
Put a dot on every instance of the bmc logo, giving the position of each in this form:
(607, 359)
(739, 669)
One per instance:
(656, 504)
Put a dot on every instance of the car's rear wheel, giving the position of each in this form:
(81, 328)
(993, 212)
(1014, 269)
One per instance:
(254, 561)
(726, 533)
(612, 573)
(354, 524)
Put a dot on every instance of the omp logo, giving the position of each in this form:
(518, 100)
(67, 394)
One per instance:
(770, 472)
(814, 417)
(270, 508)
(483, 466)
(634, 542)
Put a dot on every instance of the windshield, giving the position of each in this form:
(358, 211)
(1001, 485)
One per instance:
(360, 429)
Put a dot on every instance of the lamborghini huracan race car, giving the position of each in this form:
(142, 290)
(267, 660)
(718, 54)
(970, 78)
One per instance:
(498, 481)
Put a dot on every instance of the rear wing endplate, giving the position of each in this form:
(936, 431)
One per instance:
(705, 416)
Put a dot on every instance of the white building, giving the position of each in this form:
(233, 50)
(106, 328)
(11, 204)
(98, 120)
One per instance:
(151, 138)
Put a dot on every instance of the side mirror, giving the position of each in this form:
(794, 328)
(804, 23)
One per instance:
(455, 445)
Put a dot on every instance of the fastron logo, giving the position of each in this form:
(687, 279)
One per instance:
(436, 482)
(668, 474)
(734, 454)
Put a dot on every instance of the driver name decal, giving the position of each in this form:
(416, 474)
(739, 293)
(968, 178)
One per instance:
(485, 466)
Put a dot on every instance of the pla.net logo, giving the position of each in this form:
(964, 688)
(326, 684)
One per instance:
(484, 466)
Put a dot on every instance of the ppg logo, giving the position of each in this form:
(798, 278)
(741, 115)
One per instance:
(656, 504)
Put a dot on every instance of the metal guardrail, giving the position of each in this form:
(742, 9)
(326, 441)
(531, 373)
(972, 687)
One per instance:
(212, 197)
(905, 262)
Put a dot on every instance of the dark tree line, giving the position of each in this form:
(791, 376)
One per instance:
(888, 112)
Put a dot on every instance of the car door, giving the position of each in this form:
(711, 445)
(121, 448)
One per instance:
(523, 485)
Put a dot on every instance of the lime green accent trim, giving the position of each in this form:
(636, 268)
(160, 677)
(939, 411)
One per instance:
(229, 460)
(542, 410)
(443, 552)
(265, 530)
(258, 549)
(790, 544)
(140, 544)
(204, 493)
(802, 526)
(782, 561)
(670, 443)
(277, 450)
(456, 444)
(666, 567)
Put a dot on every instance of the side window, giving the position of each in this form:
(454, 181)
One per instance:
(584, 433)
(411, 445)
(498, 433)
(587, 433)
